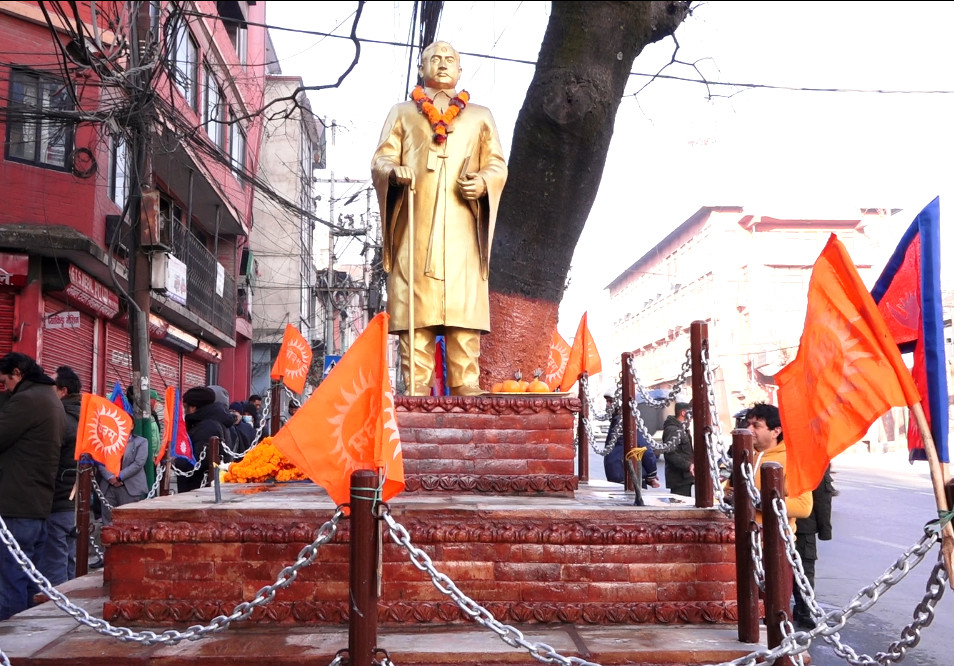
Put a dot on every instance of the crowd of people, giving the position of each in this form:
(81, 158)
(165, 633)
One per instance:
(39, 420)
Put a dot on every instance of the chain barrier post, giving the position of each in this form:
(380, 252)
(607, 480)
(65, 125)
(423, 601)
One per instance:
(365, 537)
(84, 491)
(701, 414)
(746, 588)
(628, 416)
(582, 434)
(275, 422)
(166, 484)
(778, 570)
(216, 457)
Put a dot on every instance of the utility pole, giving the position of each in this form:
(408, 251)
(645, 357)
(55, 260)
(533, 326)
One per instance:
(142, 113)
(330, 276)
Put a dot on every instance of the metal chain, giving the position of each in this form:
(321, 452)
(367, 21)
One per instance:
(92, 541)
(195, 468)
(154, 491)
(265, 595)
(828, 625)
(508, 634)
(673, 392)
(99, 493)
(266, 411)
(720, 462)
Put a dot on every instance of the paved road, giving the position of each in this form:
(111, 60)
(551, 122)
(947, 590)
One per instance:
(879, 514)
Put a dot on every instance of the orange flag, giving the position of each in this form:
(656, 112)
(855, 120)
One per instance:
(584, 357)
(294, 360)
(559, 355)
(847, 373)
(349, 422)
(103, 431)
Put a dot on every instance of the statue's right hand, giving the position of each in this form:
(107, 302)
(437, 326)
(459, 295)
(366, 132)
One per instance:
(402, 175)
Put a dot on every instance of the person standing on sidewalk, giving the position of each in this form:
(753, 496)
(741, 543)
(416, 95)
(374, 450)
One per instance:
(32, 421)
(807, 530)
(58, 561)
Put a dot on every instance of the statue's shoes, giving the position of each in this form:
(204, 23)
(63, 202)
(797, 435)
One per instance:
(467, 390)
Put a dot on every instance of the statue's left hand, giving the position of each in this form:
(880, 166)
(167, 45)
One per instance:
(472, 186)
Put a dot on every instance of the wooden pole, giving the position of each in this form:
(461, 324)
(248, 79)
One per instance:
(84, 490)
(365, 534)
(701, 415)
(628, 417)
(745, 526)
(938, 479)
(778, 571)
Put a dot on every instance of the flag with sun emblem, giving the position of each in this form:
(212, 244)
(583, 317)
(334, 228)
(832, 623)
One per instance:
(103, 431)
(175, 438)
(847, 372)
(584, 357)
(294, 360)
(349, 422)
(559, 355)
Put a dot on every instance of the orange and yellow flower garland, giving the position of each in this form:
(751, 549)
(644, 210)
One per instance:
(263, 463)
(440, 121)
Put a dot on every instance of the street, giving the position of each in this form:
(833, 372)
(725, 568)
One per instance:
(879, 514)
(882, 506)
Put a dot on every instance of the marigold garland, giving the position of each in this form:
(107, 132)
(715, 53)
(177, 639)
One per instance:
(440, 121)
(264, 462)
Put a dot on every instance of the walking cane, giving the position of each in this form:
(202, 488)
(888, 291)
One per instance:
(410, 284)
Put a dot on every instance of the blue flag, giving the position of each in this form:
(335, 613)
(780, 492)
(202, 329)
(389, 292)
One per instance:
(908, 295)
(118, 398)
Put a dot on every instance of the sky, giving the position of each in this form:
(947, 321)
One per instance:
(765, 134)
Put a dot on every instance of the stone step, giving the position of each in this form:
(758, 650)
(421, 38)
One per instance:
(46, 636)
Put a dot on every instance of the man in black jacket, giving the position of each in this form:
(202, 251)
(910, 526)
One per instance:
(806, 529)
(680, 468)
(205, 418)
(32, 421)
(58, 562)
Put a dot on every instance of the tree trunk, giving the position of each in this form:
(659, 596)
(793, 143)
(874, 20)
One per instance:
(556, 163)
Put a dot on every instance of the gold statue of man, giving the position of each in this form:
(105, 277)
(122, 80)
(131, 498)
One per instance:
(447, 151)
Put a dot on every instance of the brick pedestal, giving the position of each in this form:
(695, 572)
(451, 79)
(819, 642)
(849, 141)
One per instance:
(488, 444)
(591, 559)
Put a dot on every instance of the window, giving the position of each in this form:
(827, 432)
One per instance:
(119, 170)
(237, 150)
(184, 63)
(34, 135)
(214, 116)
(237, 35)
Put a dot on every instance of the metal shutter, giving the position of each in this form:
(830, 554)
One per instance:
(193, 373)
(118, 358)
(69, 346)
(164, 367)
(7, 311)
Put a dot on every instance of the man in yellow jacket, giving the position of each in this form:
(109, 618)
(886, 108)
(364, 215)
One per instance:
(766, 427)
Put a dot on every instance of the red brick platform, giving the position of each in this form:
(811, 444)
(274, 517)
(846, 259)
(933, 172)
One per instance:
(489, 444)
(592, 559)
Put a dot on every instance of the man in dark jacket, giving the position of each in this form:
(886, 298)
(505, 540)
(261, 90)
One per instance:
(680, 469)
(205, 418)
(818, 524)
(243, 433)
(31, 433)
(58, 561)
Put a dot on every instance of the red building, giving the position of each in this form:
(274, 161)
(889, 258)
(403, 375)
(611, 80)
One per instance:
(116, 98)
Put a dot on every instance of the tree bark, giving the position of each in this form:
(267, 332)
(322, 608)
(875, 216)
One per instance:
(559, 149)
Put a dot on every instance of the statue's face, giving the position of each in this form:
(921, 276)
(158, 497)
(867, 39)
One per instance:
(440, 66)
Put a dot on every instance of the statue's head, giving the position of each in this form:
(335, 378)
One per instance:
(440, 66)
